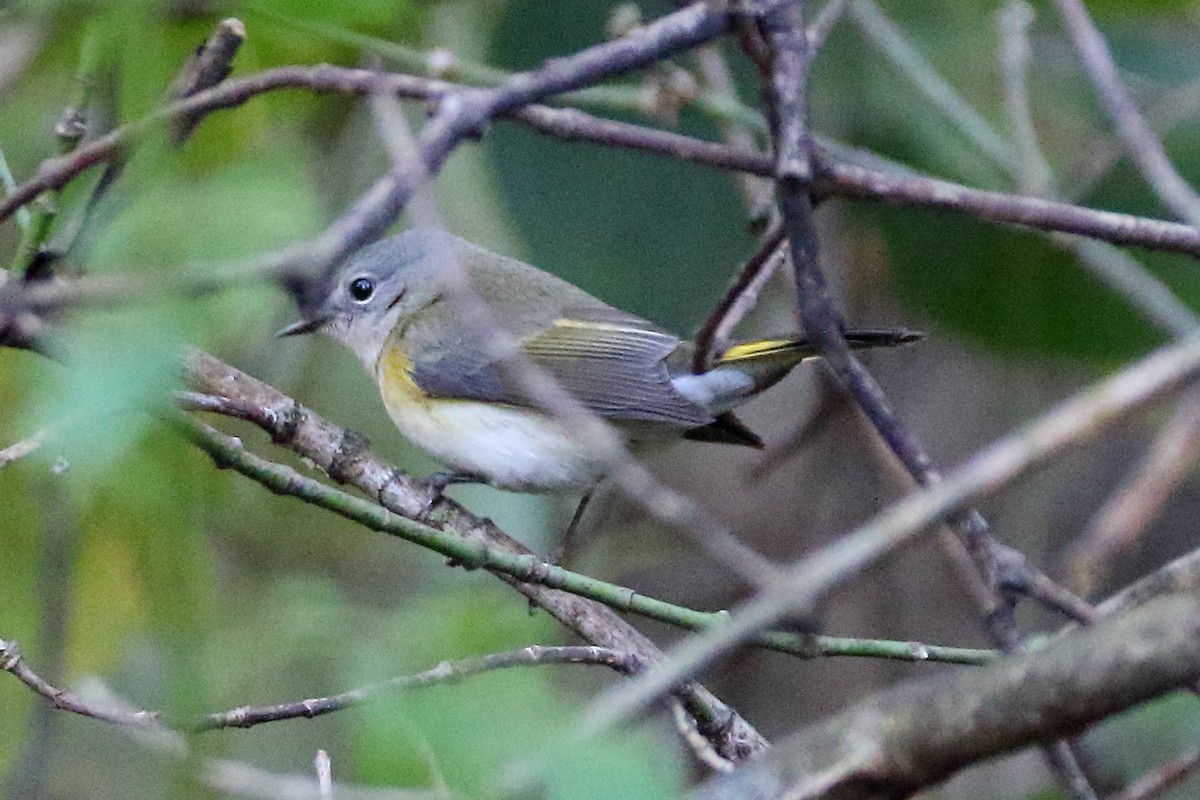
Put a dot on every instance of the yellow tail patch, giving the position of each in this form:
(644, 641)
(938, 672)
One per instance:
(752, 350)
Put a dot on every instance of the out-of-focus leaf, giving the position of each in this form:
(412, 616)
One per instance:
(118, 365)
(451, 732)
(1010, 291)
(629, 764)
(235, 210)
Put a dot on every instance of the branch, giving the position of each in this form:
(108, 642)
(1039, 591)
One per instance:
(444, 535)
(895, 743)
(832, 178)
(909, 61)
(208, 66)
(717, 330)
(12, 661)
(345, 457)
(227, 776)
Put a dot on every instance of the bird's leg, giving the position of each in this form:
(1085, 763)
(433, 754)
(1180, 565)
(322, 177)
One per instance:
(436, 484)
(566, 546)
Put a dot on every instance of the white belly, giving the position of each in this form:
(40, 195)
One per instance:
(512, 448)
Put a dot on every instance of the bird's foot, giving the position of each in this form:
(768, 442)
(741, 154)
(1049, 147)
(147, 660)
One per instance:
(435, 486)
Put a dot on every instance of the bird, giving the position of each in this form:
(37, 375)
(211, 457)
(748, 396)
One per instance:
(445, 384)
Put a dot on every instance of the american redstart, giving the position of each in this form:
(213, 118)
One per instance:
(445, 386)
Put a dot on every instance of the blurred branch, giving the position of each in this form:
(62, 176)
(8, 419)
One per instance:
(1163, 778)
(701, 748)
(68, 133)
(1180, 575)
(55, 590)
(895, 743)
(10, 184)
(1141, 142)
(811, 578)
(1141, 289)
(756, 190)
(324, 767)
(236, 779)
(1119, 523)
(1097, 157)
(443, 64)
(909, 61)
(823, 24)
(20, 449)
(466, 113)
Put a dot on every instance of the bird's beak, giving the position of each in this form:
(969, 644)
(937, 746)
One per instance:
(302, 326)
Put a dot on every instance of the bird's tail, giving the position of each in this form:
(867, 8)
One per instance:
(788, 352)
(747, 368)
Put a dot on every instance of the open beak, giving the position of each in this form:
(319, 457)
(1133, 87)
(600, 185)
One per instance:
(302, 326)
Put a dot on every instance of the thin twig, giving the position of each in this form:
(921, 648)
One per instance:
(324, 766)
(13, 662)
(701, 748)
(444, 673)
(756, 190)
(823, 24)
(716, 332)
(10, 184)
(22, 448)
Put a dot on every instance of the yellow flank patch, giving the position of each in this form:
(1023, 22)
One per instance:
(396, 382)
(749, 350)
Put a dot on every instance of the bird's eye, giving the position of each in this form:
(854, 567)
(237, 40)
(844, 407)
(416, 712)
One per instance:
(362, 288)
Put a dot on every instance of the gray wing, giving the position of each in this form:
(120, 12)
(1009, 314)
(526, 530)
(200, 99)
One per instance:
(613, 362)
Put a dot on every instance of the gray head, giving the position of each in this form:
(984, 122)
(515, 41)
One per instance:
(359, 303)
